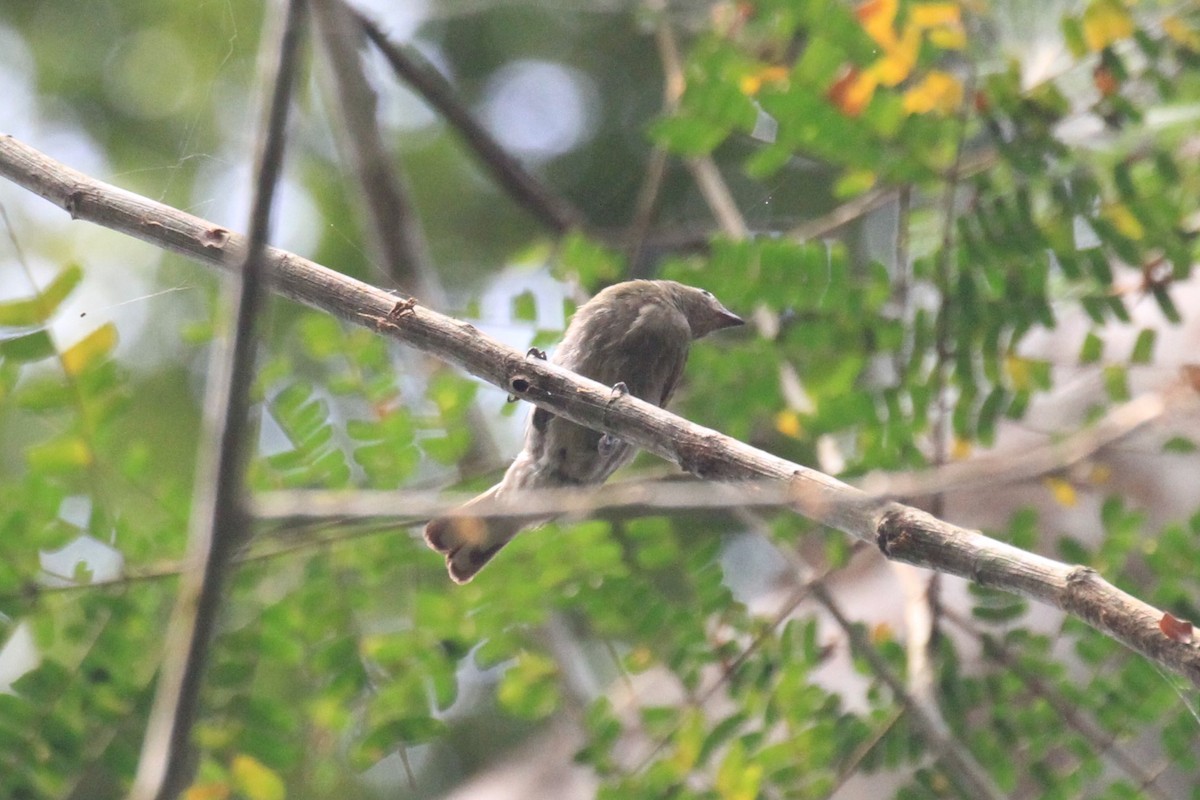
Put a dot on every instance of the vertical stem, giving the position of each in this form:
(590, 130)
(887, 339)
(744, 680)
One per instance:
(219, 520)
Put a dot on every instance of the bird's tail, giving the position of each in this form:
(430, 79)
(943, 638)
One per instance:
(470, 542)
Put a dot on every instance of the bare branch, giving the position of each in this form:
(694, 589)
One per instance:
(394, 223)
(553, 211)
(902, 533)
(219, 521)
(394, 227)
(1033, 462)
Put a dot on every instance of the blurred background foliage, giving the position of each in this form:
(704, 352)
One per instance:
(953, 226)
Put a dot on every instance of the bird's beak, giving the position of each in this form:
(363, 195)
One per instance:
(728, 319)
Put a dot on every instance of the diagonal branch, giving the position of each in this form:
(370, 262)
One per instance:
(901, 532)
(219, 521)
(958, 761)
(395, 227)
(1103, 742)
(553, 211)
(704, 169)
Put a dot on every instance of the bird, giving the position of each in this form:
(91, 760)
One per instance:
(633, 336)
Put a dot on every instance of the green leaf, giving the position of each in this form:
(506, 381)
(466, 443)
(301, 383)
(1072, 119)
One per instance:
(1143, 348)
(524, 307)
(1116, 383)
(589, 262)
(989, 412)
(43, 685)
(403, 731)
(34, 346)
(1179, 444)
(1166, 304)
(39, 308)
(58, 455)
(688, 135)
(530, 688)
(1092, 350)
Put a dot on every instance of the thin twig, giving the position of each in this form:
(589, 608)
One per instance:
(551, 209)
(785, 611)
(219, 521)
(1027, 463)
(1070, 713)
(394, 223)
(704, 170)
(850, 768)
(961, 766)
(656, 169)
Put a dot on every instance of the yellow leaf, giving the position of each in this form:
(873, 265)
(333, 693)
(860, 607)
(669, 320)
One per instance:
(882, 633)
(878, 19)
(1062, 491)
(932, 15)
(960, 449)
(736, 778)
(256, 780)
(688, 741)
(788, 423)
(752, 83)
(852, 91)
(900, 58)
(212, 790)
(1105, 22)
(938, 91)
(1018, 372)
(854, 182)
(639, 659)
(948, 38)
(1178, 30)
(90, 349)
(1124, 221)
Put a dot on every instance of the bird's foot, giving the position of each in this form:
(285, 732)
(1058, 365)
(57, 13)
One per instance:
(608, 443)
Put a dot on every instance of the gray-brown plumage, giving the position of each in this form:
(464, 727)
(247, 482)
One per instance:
(637, 333)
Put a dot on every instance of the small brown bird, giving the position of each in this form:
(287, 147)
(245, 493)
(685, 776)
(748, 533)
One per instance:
(636, 333)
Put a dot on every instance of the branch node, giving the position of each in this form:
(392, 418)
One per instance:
(215, 237)
(892, 532)
(1079, 575)
(704, 460)
(74, 199)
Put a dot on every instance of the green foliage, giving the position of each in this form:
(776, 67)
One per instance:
(346, 645)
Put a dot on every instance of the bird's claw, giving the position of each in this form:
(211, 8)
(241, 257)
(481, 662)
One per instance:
(607, 444)
(402, 307)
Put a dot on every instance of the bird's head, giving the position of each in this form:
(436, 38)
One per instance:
(704, 312)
